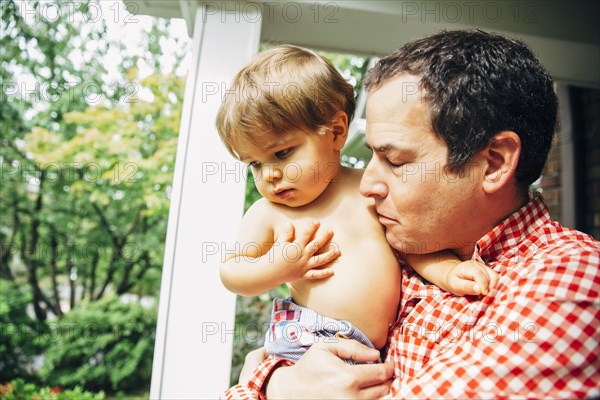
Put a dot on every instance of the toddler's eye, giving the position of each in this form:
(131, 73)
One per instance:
(281, 154)
(254, 164)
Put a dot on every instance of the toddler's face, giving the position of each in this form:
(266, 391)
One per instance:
(292, 168)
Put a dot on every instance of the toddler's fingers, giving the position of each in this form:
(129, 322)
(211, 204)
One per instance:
(323, 259)
(494, 278)
(482, 280)
(466, 287)
(287, 234)
(476, 289)
(305, 237)
(490, 277)
(321, 240)
(318, 273)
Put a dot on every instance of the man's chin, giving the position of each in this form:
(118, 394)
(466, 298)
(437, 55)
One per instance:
(399, 242)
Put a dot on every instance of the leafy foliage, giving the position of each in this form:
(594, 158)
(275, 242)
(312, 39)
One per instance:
(18, 389)
(86, 161)
(105, 345)
(86, 158)
(21, 338)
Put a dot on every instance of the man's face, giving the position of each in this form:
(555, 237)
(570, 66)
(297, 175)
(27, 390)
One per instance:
(423, 207)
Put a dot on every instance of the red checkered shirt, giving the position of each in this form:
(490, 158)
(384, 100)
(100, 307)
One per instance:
(536, 335)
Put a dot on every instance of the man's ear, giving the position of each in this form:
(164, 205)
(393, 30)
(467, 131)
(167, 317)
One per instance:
(339, 127)
(502, 157)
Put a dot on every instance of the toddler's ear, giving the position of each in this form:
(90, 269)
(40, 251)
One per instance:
(339, 127)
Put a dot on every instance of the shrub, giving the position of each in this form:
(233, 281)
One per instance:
(21, 338)
(19, 390)
(106, 345)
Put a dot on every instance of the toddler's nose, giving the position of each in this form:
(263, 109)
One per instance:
(271, 172)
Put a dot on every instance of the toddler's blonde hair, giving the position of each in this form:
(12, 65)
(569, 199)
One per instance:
(283, 88)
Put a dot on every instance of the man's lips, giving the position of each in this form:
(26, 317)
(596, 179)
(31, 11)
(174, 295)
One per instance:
(385, 219)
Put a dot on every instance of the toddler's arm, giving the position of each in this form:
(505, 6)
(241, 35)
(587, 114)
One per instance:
(266, 258)
(445, 270)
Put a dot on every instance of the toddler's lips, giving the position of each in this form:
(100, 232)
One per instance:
(284, 194)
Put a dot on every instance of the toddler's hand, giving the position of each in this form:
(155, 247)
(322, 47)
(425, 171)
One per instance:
(296, 253)
(471, 278)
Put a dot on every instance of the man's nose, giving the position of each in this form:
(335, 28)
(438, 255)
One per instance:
(271, 172)
(371, 184)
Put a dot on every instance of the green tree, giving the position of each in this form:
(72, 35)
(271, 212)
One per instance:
(86, 163)
(40, 49)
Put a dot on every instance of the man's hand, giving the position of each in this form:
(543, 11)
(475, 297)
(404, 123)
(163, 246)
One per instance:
(252, 361)
(321, 373)
(471, 278)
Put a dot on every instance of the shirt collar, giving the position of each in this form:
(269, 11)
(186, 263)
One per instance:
(507, 235)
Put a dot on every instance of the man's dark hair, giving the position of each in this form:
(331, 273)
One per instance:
(478, 84)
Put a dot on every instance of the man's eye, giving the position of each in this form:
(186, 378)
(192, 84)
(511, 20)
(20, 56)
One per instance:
(281, 154)
(396, 164)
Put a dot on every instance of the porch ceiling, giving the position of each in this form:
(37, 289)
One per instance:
(564, 34)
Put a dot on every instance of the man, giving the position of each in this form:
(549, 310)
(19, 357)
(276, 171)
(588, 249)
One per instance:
(460, 125)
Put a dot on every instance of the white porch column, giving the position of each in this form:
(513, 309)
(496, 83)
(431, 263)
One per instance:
(196, 314)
